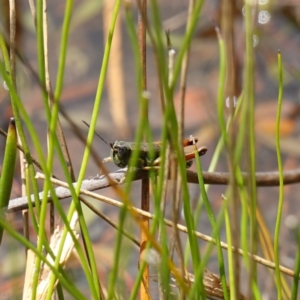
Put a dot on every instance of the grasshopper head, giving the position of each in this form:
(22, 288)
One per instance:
(120, 153)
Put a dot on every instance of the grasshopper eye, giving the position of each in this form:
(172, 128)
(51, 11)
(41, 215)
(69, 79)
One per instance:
(120, 151)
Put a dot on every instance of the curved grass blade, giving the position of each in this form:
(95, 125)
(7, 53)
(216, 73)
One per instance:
(8, 168)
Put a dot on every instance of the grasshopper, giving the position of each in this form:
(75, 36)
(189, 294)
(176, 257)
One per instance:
(121, 152)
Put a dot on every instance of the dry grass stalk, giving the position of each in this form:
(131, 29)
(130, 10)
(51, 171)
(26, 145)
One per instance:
(45, 272)
(212, 285)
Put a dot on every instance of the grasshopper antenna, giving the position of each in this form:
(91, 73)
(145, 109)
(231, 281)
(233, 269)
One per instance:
(109, 144)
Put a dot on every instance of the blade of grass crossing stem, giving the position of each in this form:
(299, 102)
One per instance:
(213, 223)
(280, 168)
(8, 169)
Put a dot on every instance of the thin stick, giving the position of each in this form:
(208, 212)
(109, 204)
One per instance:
(109, 221)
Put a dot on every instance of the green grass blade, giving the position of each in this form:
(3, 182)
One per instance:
(213, 223)
(8, 169)
(63, 49)
(248, 110)
(280, 168)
